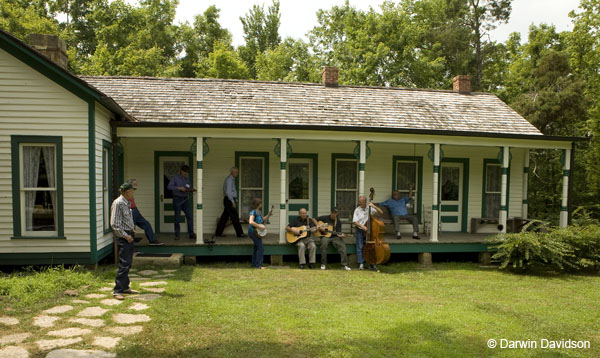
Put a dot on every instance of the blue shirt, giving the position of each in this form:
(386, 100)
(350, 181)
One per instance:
(177, 181)
(257, 219)
(229, 189)
(397, 207)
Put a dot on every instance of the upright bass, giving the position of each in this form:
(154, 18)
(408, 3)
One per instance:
(376, 251)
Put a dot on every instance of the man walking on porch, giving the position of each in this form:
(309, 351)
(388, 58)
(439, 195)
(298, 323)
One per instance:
(181, 188)
(230, 207)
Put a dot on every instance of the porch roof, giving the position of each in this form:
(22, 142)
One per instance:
(255, 103)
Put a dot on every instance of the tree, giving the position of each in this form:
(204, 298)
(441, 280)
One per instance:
(261, 33)
(22, 18)
(222, 62)
(291, 61)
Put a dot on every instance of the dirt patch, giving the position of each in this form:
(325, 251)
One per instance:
(58, 309)
(14, 338)
(88, 322)
(126, 318)
(45, 321)
(106, 342)
(47, 344)
(70, 332)
(92, 312)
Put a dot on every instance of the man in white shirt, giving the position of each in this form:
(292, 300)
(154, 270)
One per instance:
(359, 220)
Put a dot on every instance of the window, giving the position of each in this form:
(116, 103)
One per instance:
(106, 184)
(252, 181)
(37, 186)
(345, 185)
(408, 171)
(492, 190)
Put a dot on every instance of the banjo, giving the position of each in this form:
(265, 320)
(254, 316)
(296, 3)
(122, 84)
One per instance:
(263, 232)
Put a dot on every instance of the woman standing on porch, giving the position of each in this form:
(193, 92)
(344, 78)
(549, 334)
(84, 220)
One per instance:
(257, 222)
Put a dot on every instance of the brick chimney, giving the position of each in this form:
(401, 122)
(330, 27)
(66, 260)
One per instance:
(51, 46)
(330, 76)
(462, 84)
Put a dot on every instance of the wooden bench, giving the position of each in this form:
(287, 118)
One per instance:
(514, 224)
(386, 217)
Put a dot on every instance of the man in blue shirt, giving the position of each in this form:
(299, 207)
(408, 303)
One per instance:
(397, 207)
(230, 210)
(180, 186)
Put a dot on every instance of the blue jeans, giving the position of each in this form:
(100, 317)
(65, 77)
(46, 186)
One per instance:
(125, 260)
(360, 243)
(140, 221)
(257, 251)
(183, 203)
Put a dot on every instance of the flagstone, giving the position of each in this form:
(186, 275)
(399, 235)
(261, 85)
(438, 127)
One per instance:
(75, 353)
(46, 344)
(58, 309)
(14, 338)
(106, 289)
(69, 332)
(126, 318)
(45, 321)
(155, 289)
(9, 321)
(169, 271)
(153, 283)
(92, 312)
(164, 276)
(106, 342)
(13, 352)
(80, 301)
(95, 295)
(147, 296)
(139, 306)
(111, 302)
(125, 331)
(88, 322)
(135, 279)
(148, 272)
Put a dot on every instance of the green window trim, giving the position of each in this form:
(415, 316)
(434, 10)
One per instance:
(265, 157)
(487, 161)
(315, 178)
(16, 141)
(106, 164)
(334, 158)
(419, 160)
(465, 199)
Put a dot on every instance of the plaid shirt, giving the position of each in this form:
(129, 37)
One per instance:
(121, 219)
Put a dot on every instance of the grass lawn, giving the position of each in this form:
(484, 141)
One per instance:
(450, 310)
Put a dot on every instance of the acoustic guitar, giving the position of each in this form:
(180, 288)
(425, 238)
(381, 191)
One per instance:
(291, 238)
(326, 230)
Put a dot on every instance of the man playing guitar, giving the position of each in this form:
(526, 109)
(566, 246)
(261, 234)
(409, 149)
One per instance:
(333, 236)
(306, 242)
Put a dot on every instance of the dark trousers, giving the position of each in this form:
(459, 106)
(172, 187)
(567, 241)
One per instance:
(141, 222)
(229, 213)
(339, 245)
(125, 260)
(257, 251)
(183, 203)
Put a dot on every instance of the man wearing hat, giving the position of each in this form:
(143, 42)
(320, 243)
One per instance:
(337, 238)
(121, 222)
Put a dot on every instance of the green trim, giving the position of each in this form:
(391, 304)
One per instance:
(361, 167)
(525, 201)
(564, 208)
(450, 208)
(449, 219)
(92, 180)
(504, 171)
(296, 207)
(38, 237)
(105, 251)
(16, 140)
(50, 258)
(170, 219)
(265, 156)
(283, 165)
(168, 206)
(435, 207)
(199, 206)
(281, 206)
(565, 173)
(419, 161)
(525, 170)
(436, 168)
(503, 208)
(334, 157)
(157, 156)
(198, 164)
(494, 161)
(465, 200)
(107, 161)
(315, 178)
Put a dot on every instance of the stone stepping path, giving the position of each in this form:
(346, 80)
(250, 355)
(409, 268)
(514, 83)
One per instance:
(153, 283)
(127, 318)
(9, 321)
(14, 338)
(88, 322)
(13, 352)
(74, 353)
(92, 312)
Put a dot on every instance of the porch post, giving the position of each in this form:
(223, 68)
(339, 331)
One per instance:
(525, 184)
(564, 213)
(199, 210)
(504, 189)
(361, 167)
(283, 191)
(436, 188)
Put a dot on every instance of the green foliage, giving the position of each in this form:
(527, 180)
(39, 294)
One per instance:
(291, 61)
(23, 18)
(261, 33)
(223, 62)
(31, 287)
(570, 249)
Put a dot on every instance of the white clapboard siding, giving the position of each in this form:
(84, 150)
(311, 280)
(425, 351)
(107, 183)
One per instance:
(102, 122)
(31, 104)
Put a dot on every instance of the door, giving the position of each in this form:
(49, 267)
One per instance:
(451, 194)
(168, 166)
(300, 186)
